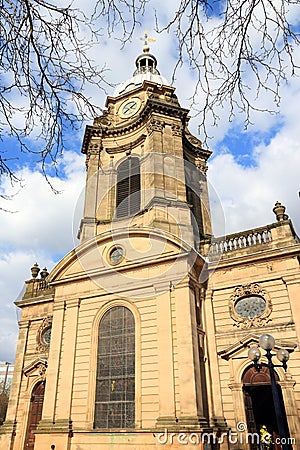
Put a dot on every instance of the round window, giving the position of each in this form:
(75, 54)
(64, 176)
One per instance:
(116, 255)
(250, 307)
(47, 335)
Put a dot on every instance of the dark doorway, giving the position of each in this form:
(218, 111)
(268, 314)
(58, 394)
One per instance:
(35, 414)
(259, 404)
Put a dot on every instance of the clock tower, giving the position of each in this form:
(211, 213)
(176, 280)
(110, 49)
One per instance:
(144, 168)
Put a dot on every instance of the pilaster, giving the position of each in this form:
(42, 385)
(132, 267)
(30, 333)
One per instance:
(292, 283)
(239, 409)
(287, 388)
(53, 371)
(191, 413)
(11, 427)
(167, 409)
(64, 399)
(18, 371)
(215, 394)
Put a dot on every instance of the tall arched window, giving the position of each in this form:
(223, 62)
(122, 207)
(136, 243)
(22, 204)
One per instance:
(128, 187)
(115, 384)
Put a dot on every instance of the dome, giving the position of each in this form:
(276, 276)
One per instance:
(145, 70)
(137, 81)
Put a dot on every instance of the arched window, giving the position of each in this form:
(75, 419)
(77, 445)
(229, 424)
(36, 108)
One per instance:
(115, 384)
(128, 187)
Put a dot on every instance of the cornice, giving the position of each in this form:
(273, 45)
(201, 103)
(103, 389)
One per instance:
(194, 145)
(38, 366)
(148, 86)
(246, 341)
(258, 255)
(126, 147)
(43, 298)
(153, 105)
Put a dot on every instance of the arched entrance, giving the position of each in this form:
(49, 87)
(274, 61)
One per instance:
(259, 404)
(35, 414)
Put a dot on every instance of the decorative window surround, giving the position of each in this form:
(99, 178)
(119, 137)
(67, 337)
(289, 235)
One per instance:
(243, 292)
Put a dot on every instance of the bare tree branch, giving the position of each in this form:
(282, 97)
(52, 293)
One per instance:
(238, 50)
(44, 68)
(4, 396)
(245, 50)
(120, 13)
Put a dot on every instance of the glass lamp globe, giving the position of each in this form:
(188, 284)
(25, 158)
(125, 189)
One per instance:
(267, 342)
(254, 354)
(283, 355)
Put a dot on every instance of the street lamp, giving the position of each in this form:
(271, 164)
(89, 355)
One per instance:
(267, 342)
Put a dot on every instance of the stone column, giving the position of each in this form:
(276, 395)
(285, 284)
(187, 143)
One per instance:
(111, 190)
(155, 179)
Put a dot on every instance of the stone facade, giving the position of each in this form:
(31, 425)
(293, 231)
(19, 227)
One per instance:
(190, 342)
(263, 262)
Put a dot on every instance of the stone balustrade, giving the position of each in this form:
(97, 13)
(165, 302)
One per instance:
(250, 241)
(238, 241)
(35, 288)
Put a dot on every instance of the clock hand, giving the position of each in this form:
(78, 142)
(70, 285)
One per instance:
(130, 107)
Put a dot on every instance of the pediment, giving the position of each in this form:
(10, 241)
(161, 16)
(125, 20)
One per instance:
(248, 341)
(38, 367)
(142, 246)
(152, 261)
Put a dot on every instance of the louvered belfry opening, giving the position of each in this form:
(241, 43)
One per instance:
(128, 199)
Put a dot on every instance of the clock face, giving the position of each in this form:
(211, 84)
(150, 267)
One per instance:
(250, 307)
(47, 335)
(116, 255)
(129, 108)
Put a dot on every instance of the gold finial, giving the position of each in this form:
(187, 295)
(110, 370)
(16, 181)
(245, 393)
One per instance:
(146, 38)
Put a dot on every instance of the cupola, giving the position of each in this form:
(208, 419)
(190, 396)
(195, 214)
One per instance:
(146, 69)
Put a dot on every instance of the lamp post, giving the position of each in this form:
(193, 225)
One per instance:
(5, 377)
(267, 342)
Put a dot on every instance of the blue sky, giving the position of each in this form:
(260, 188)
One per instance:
(250, 170)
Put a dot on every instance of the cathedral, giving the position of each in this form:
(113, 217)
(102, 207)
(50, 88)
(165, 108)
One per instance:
(139, 337)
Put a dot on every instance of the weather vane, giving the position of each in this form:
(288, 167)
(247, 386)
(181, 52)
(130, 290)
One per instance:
(146, 38)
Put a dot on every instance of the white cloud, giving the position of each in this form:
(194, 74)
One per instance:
(39, 231)
(248, 194)
(38, 212)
